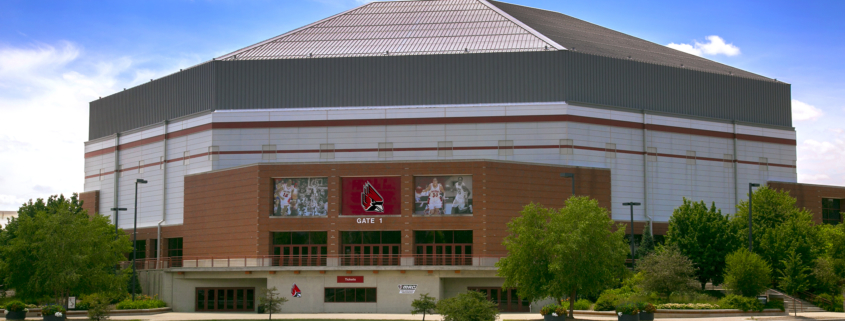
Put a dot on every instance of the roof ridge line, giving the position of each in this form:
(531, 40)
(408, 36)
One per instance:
(522, 25)
(248, 48)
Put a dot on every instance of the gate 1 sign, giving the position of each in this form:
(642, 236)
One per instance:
(365, 196)
(350, 279)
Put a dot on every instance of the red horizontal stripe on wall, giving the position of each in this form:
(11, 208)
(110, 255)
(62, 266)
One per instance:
(448, 120)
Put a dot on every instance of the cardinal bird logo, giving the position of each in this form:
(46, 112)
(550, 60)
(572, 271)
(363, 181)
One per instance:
(371, 200)
(294, 290)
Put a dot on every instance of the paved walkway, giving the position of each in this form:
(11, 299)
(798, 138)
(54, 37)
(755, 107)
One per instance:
(178, 316)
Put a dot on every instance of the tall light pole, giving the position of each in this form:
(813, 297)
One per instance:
(135, 236)
(116, 211)
(572, 176)
(750, 234)
(632, 204)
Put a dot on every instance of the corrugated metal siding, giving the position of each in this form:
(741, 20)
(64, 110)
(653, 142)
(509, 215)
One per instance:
(514, 77)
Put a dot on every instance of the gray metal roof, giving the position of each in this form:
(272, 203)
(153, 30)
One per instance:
(585, 37)
(403, 28)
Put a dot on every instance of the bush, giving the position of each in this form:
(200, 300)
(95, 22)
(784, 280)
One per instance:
(742, 303)
(688, 306)
(627, 309)
(52, 309)
(667, 271)
(583, 304)
(98, 306)
(15, 306)
(746, 274)
(142, 304)
(468, 306)
(646, 307)
(607, 301)
(833, 304)
(554, 308)
(776, 304)
(692, 297)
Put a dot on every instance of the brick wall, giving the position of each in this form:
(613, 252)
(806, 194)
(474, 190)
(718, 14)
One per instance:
(228, 212)
(810, 196)
(91, 202)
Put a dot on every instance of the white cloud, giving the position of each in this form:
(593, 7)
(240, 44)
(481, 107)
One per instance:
(44, 94)
(820, 160)
(802, 111)
(715, 46)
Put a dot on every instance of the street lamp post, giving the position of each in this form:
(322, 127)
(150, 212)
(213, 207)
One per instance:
(135, 236)
(632, 204)
(572, 176)
(750, 234)
(116, 230)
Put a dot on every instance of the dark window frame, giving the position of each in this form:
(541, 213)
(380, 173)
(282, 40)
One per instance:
(334, 289)
(831, 207)
(224, 290)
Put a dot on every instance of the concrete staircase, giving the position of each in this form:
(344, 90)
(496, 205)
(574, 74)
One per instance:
(791, 304)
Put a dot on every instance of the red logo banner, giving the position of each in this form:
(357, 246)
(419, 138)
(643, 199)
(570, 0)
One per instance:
(366, 196)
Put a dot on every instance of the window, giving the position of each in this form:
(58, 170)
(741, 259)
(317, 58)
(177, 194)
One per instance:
(831, 211)
(443, 247)
(186, 158)
(225, 299)
(444, 149)
(727, 161)
(566, 147)
(154, 248)
(370, 247)
(350, 295)
(140, 250)
(385, 150)
(609, 150)
(161, 162)
(764, 164)
(651, 154)
(300, 248)
(326, 151)
(214, 153)
(507, 299)
(690, 157)
(140, 167)
(505, 148)
(268, 152)
(174, 251)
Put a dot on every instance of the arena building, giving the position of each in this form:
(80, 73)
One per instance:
(377, 154)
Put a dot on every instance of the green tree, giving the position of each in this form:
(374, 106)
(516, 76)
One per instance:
(747, 273)
(666, 271)
(98, 307)
(425, 305)
(468, 306)
(832, 239)
(56, 249)
(701, 234)
(779, 228)
(824, 277)
(552, 253)
(647, 244)
(794, 277)
(271, 301)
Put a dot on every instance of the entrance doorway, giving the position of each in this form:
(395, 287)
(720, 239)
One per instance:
(225, 299)
(507, 299)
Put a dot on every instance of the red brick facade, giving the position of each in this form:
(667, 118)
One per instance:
(810, 196)
(91, 202)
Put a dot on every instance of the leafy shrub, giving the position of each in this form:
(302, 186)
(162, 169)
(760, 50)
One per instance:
(742, 303)
(646, 307)
(98, 306)
(607, 301)
(691, 297)
(627, 309)
(776, 304)
(143, 304)
(583, 304)
(554, 308)
(52, 309)
(833, 304)
(468, 306)
(15, 306)
(688, 306)
(746, 274)
(667, 271)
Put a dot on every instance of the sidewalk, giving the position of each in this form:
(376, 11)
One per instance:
(180, 316)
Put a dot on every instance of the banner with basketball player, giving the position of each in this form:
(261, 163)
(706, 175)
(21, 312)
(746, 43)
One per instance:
(301, 196)
(443, 195)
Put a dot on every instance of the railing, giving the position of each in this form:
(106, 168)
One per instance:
(442, 259)
(370, 260)
(813, 298)
(310, 260)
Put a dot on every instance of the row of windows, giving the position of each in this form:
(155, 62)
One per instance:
(372, 237)
(350, 295)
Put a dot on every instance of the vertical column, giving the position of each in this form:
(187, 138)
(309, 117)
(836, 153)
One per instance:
(407, 246)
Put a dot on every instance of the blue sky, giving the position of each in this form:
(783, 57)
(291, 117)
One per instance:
(57, 56)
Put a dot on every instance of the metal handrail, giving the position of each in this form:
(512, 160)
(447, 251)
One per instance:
(301, 260)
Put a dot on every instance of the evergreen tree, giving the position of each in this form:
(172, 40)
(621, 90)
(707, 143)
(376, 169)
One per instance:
(647, 243)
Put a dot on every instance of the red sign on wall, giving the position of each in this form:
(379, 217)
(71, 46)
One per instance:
(350, 279)
(364, 196)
